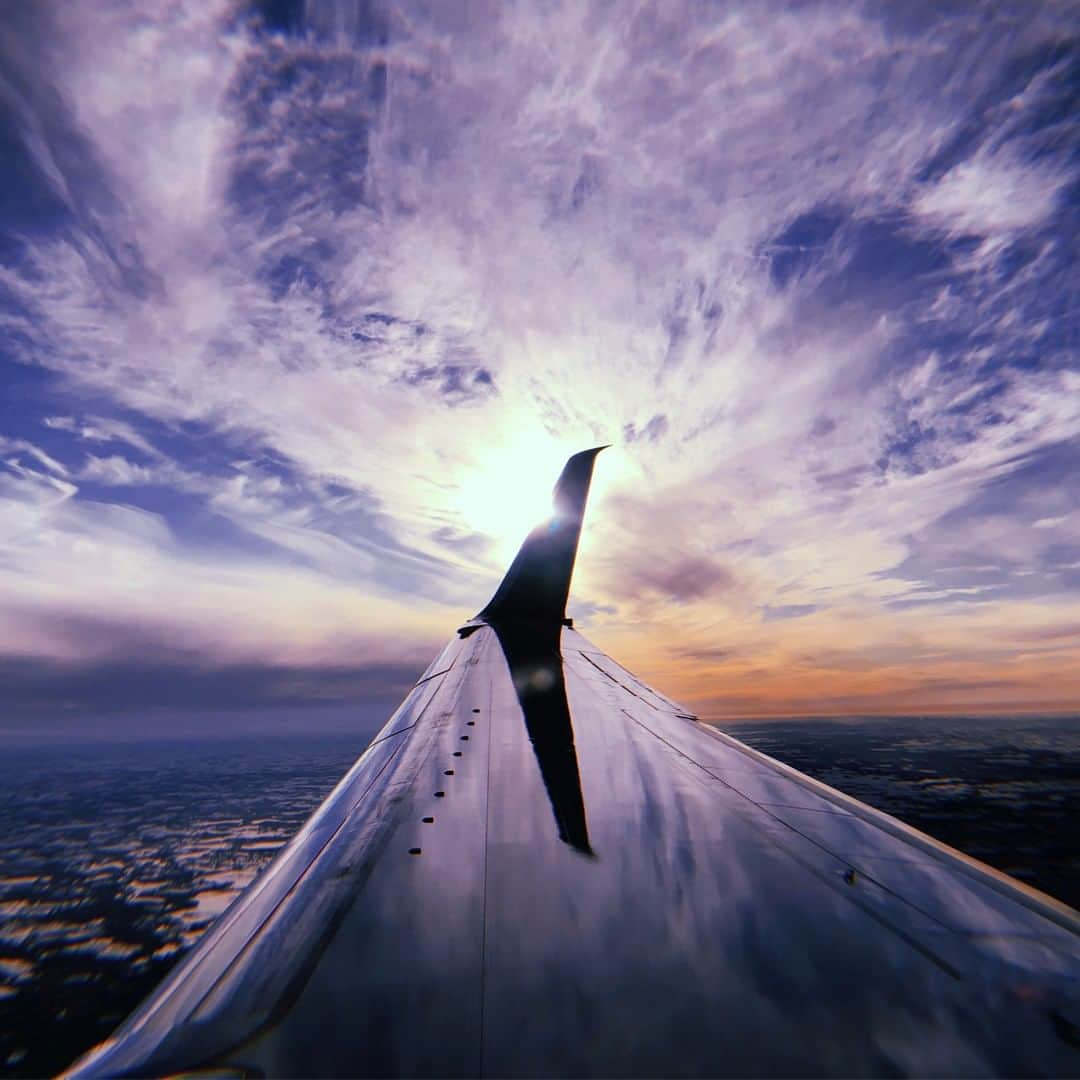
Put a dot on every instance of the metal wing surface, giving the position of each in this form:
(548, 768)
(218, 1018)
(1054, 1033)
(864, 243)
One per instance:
(542, 866)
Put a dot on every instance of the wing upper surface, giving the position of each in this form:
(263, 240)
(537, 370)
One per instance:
(726, 915)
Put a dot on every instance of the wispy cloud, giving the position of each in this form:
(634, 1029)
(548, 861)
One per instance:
(18, 448)
(105, 430)
(991, 194)
(308, 296)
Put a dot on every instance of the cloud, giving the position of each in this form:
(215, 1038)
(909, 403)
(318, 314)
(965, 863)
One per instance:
(18, 447)
(295, 294)
(706, 654)
(772, 612)
(116, 471)
(52, 691)
(655, 428)
(684, 578)
(101, 429)
(105, 584)
(991, 194)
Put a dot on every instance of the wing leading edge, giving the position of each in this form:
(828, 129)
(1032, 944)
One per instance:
(542, 866)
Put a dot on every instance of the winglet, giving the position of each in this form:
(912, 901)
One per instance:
(537, 584)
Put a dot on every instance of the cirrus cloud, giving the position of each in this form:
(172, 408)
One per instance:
(290, 286)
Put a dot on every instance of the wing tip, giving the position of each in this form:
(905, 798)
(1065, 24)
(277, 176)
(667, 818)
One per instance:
(536, 586)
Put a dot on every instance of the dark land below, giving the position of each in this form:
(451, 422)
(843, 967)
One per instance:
(115, 857)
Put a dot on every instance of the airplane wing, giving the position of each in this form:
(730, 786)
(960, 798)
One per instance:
(542, 866)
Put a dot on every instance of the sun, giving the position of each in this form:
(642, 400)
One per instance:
(509, 492)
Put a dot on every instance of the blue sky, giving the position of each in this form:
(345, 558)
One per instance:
(305, 304)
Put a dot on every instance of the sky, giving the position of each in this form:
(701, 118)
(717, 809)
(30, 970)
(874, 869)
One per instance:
(303, 306)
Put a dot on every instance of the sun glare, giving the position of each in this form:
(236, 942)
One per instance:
(509, 492)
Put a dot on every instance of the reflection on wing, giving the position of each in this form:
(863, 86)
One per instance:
(537, 675)
(735, 918)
